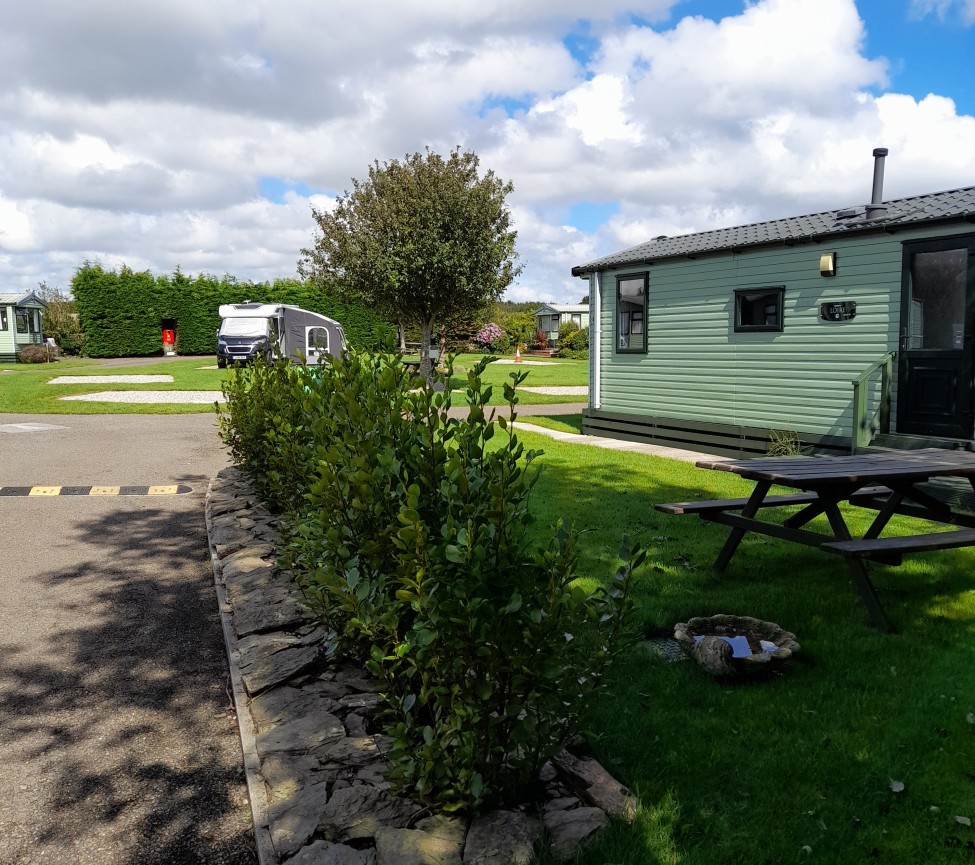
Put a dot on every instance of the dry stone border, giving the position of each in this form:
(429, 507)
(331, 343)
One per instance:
(313, 747)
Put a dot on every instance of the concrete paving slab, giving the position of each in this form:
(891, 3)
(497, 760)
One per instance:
(158, 397)
(112, 379)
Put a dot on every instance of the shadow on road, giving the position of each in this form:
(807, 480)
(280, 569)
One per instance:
(121, 712)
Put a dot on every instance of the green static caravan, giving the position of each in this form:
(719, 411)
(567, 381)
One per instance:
(549, 317)
(20, 323)
(828, 331)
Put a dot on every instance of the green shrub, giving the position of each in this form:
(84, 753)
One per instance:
(256, 404)
(520, 326)
(573, 341)
(408, 534)
(502, 345)
(566, 329)
(38, 354)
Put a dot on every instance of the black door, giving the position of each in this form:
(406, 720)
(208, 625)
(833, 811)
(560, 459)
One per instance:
(935, 383)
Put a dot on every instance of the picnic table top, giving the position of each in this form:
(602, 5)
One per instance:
(805, 472)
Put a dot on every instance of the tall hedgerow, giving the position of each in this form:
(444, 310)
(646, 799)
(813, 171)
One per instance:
(122, 312)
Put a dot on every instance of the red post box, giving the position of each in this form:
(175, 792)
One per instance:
(168, 336)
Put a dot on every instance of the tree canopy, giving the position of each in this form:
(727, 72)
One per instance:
(425, 241)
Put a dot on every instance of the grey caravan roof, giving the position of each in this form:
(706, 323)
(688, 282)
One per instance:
(20, 299)
(296, 320)
(954, 205)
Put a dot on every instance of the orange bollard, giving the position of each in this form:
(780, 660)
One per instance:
(517, 354)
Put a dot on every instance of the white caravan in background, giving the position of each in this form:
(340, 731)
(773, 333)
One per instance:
(271, 330)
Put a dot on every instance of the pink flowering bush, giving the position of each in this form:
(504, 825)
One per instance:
(488, 335)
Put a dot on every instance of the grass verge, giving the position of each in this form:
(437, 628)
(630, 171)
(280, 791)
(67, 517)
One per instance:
(569, 423)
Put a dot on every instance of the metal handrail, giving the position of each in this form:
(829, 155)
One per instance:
(864, 428)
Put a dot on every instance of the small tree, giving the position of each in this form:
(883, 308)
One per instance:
(520, 326)
(60, 320)
(423, 240)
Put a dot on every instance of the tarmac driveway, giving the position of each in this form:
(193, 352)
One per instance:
(118, 740)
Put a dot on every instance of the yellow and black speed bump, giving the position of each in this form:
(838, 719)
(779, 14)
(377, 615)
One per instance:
(38, 491)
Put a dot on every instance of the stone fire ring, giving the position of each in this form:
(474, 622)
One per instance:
(715, 654)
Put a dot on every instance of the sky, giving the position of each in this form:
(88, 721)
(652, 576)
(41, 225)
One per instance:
(199, 135)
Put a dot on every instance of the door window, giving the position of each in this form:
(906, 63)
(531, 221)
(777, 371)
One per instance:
(936, 313)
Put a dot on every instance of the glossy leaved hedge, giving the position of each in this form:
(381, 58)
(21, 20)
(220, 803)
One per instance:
(409, 533)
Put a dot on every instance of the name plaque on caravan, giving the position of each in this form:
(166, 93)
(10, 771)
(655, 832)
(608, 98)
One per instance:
(840, 310)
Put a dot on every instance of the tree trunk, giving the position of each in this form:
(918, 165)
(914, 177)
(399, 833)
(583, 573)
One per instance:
(426, 335)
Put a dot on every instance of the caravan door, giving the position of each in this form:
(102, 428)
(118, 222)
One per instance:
(935, 378)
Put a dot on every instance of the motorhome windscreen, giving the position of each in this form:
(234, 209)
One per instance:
(243, 327)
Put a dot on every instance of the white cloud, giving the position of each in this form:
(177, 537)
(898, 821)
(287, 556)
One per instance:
(943, 8)
(140, 132)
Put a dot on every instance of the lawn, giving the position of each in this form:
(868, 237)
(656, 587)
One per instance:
(24, 388)
(798, 767)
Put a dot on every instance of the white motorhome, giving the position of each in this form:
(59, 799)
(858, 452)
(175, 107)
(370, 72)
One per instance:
(269, 330)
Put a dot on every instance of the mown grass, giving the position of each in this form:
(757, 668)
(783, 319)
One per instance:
(797, 767)
(570, 423)
(555, 371)
(24, 388)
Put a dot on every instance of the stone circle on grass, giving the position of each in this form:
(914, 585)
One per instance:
(728, 645)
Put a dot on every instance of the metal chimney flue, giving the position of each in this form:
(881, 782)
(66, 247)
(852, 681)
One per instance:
(876, 209)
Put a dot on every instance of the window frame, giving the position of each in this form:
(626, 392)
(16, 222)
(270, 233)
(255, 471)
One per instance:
(22, 321)
(643, 275)
(318, 349)
(3, 318)
(777, 325)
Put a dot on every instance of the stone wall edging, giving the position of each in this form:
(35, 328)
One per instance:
(312, 755)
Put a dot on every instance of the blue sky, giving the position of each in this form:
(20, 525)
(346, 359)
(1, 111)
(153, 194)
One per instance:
(928, 52)
(200, 136)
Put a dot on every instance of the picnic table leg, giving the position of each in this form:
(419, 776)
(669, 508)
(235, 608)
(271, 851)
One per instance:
(858, 570)
(811, 511)
(750, 509)
(883, 517)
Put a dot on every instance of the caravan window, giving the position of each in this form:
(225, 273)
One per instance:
(632, 291)
(3, 318)
(244, 327)
(759, 309)
(317, 339)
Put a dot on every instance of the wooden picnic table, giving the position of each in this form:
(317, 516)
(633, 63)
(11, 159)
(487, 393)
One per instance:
(890, 482)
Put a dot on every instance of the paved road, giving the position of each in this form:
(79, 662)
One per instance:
(118, 743)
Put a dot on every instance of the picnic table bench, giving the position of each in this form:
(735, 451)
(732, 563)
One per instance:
(890, 483)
